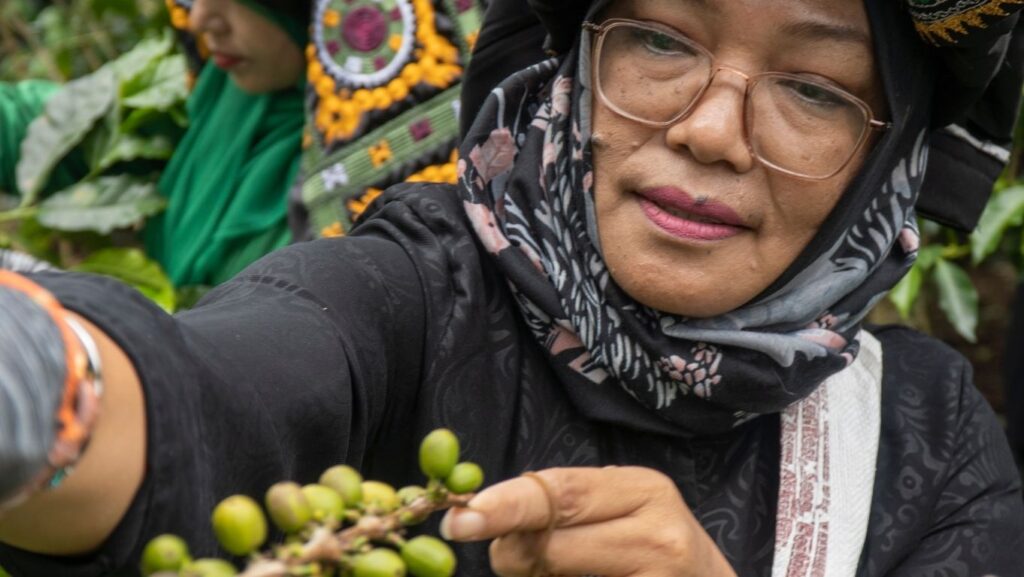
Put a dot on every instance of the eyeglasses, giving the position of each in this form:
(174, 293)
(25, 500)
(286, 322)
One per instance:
(797, 125)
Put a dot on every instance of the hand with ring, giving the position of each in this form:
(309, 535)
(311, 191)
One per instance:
(613, 521)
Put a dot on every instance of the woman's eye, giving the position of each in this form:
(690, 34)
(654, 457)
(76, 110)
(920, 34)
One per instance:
(814, 93)
(662, 43)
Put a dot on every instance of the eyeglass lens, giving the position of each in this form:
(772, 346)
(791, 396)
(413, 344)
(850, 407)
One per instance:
(794, 124)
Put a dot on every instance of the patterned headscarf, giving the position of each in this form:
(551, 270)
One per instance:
(526, 178)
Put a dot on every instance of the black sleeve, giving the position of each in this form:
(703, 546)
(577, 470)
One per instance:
(278, 374)
(948, 501)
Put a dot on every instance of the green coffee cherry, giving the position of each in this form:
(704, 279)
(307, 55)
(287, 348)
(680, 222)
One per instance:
(406, 495)
(325, 502)
(164, 553)
(427, 556)
(239, 525)
(288, 507)
(210, 568)
(439, 452)
(378, 563)
(465, 478)
(379, 497)
(346, 481)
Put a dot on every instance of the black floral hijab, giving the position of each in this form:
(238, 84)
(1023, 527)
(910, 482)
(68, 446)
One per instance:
(526, 178)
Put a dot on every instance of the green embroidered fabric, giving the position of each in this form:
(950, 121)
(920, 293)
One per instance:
(382, 103)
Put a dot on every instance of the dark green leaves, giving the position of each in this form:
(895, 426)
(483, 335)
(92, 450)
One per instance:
(67, 119)
(132, 267)
(124, 120)
(957, 297)
(101, 205)
(1005, 210)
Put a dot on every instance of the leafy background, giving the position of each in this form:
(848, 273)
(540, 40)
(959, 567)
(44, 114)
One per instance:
(117, 119)
(123, 110)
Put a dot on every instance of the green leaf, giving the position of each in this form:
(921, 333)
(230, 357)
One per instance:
(100, 139)
(189, 296)
(8, 202)
(133, 267)
(129, 147)
(165, 85)
(904, 294)
(957, 298)
(102, 205)
(36, 240)
(927, 256)
(1005, 210)
(137, 118)
(138, 59)
(68, 116)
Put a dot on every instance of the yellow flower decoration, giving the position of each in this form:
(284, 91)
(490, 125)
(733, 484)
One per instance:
(314, 72)
(380, 153)
(398, 89)
(325, 87)
(332, 231)
(436, 62)
(179, 18)
(412, 74)
(381, 98)
(332, 18)
(395, 42)
(357, 206)
(447, 172)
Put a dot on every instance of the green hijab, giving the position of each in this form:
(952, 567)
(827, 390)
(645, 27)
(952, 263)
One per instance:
(227, 183)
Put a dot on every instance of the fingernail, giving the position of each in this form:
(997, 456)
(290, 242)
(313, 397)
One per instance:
(462, 524)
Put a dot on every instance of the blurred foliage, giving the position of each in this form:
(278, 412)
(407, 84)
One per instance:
(64, 39)
(119, 113)
(948, 261)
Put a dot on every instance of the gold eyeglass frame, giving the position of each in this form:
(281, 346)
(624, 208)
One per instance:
(750, 81)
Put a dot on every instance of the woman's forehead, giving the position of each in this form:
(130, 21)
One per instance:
(843, 19)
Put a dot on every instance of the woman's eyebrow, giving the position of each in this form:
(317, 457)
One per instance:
(809, 30)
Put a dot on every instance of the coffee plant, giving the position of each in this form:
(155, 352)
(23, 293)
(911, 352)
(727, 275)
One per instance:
(340, 526)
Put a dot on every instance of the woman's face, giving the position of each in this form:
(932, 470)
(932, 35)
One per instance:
(256, 53)
(650, 182)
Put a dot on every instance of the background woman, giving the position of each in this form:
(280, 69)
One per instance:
(391, 118)
(658, 257)
(228, 178)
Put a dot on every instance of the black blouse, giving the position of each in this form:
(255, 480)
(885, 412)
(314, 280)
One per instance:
(350, 350)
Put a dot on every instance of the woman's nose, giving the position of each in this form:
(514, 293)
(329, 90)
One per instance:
(206, 18)
(714, 130)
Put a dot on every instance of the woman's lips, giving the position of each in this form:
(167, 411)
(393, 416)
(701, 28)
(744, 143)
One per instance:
(226, 61)
(678, 214)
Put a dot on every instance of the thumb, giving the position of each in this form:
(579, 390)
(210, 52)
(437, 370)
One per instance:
(519, 504)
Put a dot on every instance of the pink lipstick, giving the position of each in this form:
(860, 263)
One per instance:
(226, 61)
(680, 215)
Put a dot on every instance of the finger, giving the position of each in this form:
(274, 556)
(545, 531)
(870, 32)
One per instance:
(577, 496)
(615, 548)
(517, 554)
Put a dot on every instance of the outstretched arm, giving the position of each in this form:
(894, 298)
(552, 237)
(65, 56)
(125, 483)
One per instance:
(83, 511)
(279, 374)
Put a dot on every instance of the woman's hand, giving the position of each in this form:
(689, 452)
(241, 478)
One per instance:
(614, 521)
